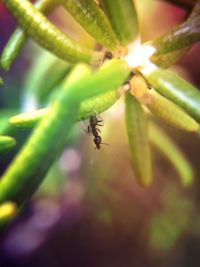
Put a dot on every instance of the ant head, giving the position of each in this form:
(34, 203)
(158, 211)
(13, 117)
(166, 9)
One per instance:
(93, 120)
(108, 55)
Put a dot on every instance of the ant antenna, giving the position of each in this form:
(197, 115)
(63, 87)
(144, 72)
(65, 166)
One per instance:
(94, 156)
(94, 153)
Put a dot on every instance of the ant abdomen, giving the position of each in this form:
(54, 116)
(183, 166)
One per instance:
(97, 141)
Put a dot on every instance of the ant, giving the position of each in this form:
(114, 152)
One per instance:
(92, 128)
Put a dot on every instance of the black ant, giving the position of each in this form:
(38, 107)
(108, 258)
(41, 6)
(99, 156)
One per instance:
(92, 128)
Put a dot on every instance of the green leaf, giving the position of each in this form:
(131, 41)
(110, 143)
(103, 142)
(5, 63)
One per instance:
(169, 59)
(6, 143)
(47, 35)
(5, 115)
(123, 18)
(92, 19)
(176, 89)
(49, 138)
(167, 146)
(28, 119)
(33, 161)
(181, 36)
(18, 38)
(94, 105)
(136, 124)
(169, 112)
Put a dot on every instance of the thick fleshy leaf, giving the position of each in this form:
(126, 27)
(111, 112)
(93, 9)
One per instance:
(5, 115)
(181, 36)
(92, 106)
(136, 124)
(123, 18)
(38, 27)
(167, 146)
(171, 86)
(6, 143)
(89, 15)
(169, 112)
(49, 138)
(169, 59)
(18, 38)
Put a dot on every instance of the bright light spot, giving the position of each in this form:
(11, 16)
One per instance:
(7, 210)
(139, 56)
(29, 103)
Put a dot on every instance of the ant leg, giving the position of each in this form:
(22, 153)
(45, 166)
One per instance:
(100, 120)
(88, 130)
(105, 144)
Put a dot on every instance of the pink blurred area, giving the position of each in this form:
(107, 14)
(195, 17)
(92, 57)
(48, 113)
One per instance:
(7, 25)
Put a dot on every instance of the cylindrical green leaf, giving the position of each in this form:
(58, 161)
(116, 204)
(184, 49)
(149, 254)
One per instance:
(93, 20)
(18, 38)
(169, 59)
(46, 34)
(6, 143)
(29, 119)
(94, 105)
(165, 144)
(111, 75)
(169, 112)
(28, 169)
(176, 89)
(181, 36)
(5, 115)
(137, 130)
(123, 18)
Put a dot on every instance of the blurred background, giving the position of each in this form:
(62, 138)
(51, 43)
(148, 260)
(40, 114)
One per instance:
(96, 214)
